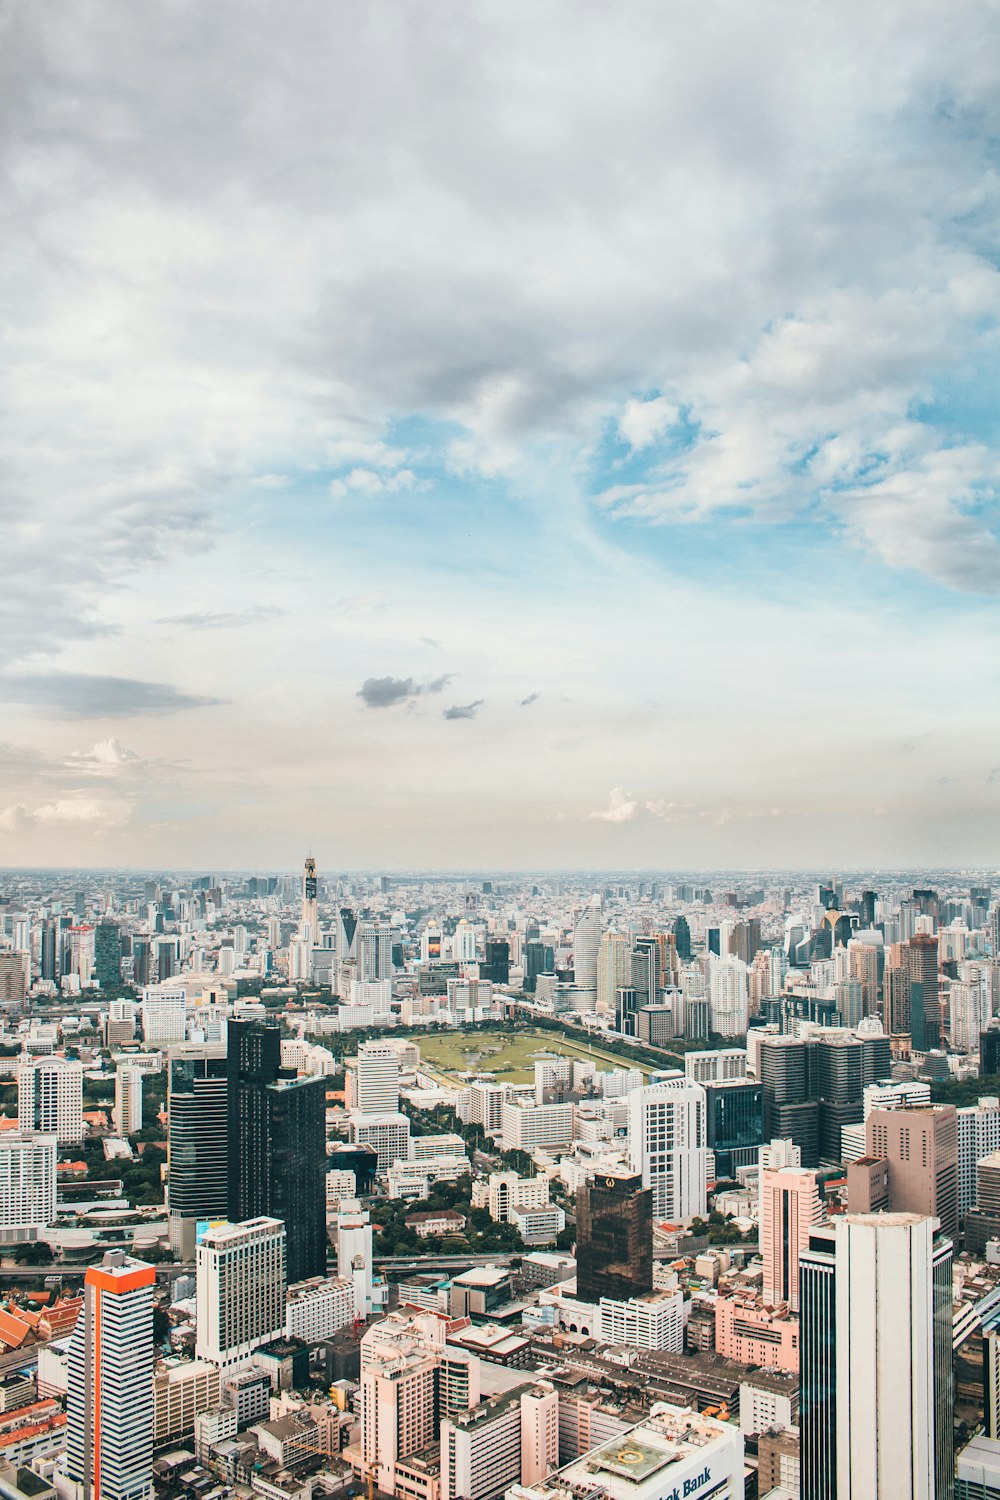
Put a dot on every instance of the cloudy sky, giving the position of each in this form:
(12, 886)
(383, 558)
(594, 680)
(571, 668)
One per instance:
(513, 434)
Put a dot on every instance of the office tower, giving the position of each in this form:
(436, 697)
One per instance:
(729, 996)
(464, 946)
(48, 956)
(682, 935)
(989, 1050)
(108, 955)
(109, 1431)
(128, 1100)
(921, 1148)
(614, 1238)
(277, 1137)
(969, 1008)
(50, 1098)
(373, 951)
(666, 1138)
(866, 960)
(920, 957)
(848, 996)
(197, 1142)
(309, 923)
(586, 942)
(614, 968)
(982, 1222)
(27, 1186)
(876, 1393)
(377, 1078)
(539, 958)
(744, 940)
(164, 1014)
(496, 964)
(791, 1110)
(14, 976)
(733, 1123)
(790, 1208)
(241, 1281)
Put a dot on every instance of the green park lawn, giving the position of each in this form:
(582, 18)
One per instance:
(509, 1054)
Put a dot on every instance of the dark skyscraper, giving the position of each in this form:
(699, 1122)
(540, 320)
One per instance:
(496, 967)
(921, 955)
(277, 1134)
(107, 955)
(197, 1106)
(733, 1123)
(614, 1238)
(50, 950)
(682, 932)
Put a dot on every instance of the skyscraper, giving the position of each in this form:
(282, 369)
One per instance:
(50, 1098)
(921, 1148)
(107, 955)
(614, 1238)
(790, 1208)
(277, 1145)
(666, 1137)
(309, 929)
(109, 1433)
(27, 1185)
(377, 1078)
(241, 1281)
(128, 1100)
(586, 941)
(197, 1142)
(876, 1403)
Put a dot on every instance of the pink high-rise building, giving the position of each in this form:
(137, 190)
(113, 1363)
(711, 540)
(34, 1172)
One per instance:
(790, 1206)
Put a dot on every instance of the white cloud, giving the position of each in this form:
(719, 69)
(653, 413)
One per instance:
(106, 758)
(66, 812)
(370, 482)
(621, 808)
(642, 422)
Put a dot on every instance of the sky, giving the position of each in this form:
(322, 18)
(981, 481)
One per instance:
(499, 435)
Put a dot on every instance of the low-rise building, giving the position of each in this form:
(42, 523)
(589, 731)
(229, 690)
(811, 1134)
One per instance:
(751, 1332)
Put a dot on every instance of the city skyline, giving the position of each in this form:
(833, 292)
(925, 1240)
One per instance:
(608, 481)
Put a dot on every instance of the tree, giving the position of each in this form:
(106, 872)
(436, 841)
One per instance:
(33, 1253)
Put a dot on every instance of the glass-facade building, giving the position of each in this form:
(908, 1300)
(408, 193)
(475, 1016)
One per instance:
(614, 1238)
(734, 1124)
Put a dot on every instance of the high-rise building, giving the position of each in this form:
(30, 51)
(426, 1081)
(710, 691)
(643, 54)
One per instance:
(27, 1185)
(241, 1282)
(667, 1146)
(978, 1136)
(197, 1142)
(733, 1123)
(496, 962)
(614, 968)
(164, 1014)
(921, 1149)
(921, 963)
(108, 955)
(614, 1238)
(277, 1145)
(14, 975)
(377, 1078)
(373, 951)
(398, 1399)
(586, 942)
(50, 1098)
(989, 1050)
(309, 927)
(790, 1209)
(128, 1100)
(729, 996)
(109, 1432)
(682, 934)
(876, 1396)
(509, 1437)
(353, 1241)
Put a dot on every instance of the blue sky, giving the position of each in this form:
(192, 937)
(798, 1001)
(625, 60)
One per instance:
(513, 436)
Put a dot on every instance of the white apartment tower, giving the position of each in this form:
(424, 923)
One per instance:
(109, 1432)
(377, 1079)
(128, 1101)
(50, 1098)
(586, 942)
(164, 1014)
(27, 1185)
(240, 1291)
(666, 1137)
